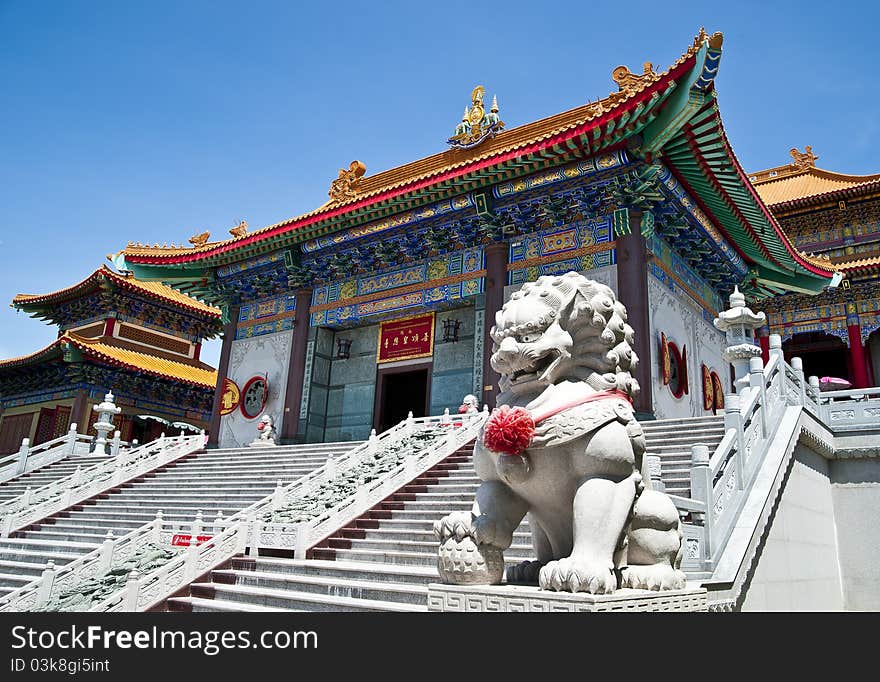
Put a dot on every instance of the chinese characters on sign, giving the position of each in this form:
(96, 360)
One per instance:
(406, 338)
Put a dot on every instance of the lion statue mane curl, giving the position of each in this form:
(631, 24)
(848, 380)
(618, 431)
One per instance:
(563, 447)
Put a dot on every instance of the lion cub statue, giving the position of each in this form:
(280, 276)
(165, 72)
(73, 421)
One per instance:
(564, 447)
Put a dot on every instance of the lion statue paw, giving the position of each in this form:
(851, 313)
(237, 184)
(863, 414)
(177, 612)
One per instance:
(524, 573)
(462, 559)
(571, 575)
(653, 577)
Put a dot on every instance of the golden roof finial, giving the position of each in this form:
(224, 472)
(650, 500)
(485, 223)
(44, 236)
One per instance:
(467, 112)
(345, 186)
(629, 83)
(701, 37)
(805, 159)
(239, 230)
(199, 239)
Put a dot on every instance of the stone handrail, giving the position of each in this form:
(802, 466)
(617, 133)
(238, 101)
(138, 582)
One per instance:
(234, 534)
(854, 408)
(721, 481)
(34, 505)
(30, 458)
(304, 535)
(55, 581)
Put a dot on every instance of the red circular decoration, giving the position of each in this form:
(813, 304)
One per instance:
(509, 430)
(254, 396)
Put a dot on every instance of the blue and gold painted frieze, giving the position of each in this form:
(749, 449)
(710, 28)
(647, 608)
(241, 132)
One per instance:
(425, 298)
(399, 220)
(447, 265)
(250, 264)
(685, 273)
(558, 243)
(268, 316)
(580, 169)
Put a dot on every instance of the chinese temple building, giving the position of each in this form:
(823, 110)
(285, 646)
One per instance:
(836, 218)
(139, 339)
(381, 300)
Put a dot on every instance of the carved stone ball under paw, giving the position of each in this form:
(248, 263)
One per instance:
(464, 562)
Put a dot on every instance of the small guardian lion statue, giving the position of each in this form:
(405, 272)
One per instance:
(267, 435)
(564, 447)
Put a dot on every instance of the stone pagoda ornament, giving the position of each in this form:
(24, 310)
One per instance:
(739, 324)
(477, 125)
(105, 411)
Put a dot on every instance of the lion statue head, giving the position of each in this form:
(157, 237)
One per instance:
(562, 328)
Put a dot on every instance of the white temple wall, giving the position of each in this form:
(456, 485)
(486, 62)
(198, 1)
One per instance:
(797, 565)
(267, 355)
(681, 320)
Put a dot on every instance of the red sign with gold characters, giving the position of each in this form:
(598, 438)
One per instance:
(406, 338)
(230, 396)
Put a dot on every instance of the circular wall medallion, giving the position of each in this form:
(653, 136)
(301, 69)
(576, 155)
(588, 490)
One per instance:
(254, 396)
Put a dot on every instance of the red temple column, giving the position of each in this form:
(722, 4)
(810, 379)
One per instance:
(857, 355)
(496, 279)
(763, 334)
(78, 414)
(297, 367)
(632, 291)
(222, 369)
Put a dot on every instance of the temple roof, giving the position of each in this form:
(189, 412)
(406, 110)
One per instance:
(672, 116)
(117, 357)
(801, 183)
(155, 290)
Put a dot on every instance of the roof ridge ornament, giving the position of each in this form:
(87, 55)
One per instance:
(803, 160)
(476, 125)
(200, 239)
(345, 186)
(239, 230)
(630, 83)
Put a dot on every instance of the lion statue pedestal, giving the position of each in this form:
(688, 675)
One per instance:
(564, 447)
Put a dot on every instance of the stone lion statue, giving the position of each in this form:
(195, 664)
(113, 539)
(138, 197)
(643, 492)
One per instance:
(564, 447)
(268, 434)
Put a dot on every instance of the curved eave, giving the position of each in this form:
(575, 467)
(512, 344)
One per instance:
(702, 157)
(50, 352)
(825, 198)
(577, 136)
(32, 302)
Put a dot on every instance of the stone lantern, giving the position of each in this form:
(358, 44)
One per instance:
(106, 411)
(739, 324)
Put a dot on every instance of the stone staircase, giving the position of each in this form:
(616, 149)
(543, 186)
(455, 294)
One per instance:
(45, 475)
(209, 482)
(671, 440)
(385, 560)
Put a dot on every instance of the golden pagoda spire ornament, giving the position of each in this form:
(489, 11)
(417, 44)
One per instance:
(477, 125)
(345, 186)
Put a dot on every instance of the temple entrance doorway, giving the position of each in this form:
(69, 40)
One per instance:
(872, 351)
(823, 355)
(400, 390)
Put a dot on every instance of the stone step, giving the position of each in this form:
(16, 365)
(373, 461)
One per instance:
(385, 534)
(290, 599)
(199, 605)
(31, 556)
(63, 535)
(441, 507)
(13, 582)
(681, 435)
(349, 570)
(681, 448)
(27, 571)
(354, 588)
(62, 546)
(427, 546)
(396, 558)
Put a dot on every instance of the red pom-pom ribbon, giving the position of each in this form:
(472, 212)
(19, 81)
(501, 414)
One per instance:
(463, 409)
(509, 430)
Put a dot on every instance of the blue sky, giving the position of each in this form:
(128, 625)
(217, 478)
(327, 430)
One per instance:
(155, 121)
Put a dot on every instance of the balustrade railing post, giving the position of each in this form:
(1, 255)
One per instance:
(701, 490)
(330, 469)
(373, 443)
(23, 452)
(303, 533)
(813, 383)
(655, 473)
(253, 529)
(733, 419)
(445, 420)
(776, 351)
(76, 478)
(156, 531)
(47, 580)
(7, 525)
(131, 592)
(26, 497)
(70, 445)
(218, 523)
(410, 424)
(114, 444)
(756, 382)
(798, 366)
(191, 563)
(196, 527)
(278, 497)
(105, 560)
